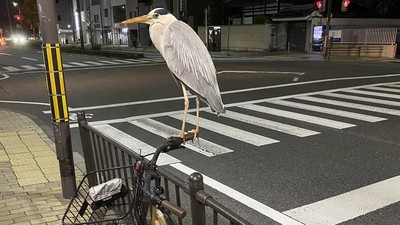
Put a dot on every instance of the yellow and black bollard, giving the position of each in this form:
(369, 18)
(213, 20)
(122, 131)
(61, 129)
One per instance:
(57, 95)
(55, 82)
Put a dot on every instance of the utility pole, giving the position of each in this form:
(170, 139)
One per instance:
(9, 18)
(57, 95)
(328, 24)
(78, 6)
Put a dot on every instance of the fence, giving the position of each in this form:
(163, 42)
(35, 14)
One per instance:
(370, 36)
(101, 152)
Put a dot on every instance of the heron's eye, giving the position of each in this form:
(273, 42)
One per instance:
(156, 15)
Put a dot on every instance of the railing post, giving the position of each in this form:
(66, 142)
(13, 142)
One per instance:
(86, 147)
(198, 210)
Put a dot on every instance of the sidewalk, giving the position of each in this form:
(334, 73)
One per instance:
(30, 187)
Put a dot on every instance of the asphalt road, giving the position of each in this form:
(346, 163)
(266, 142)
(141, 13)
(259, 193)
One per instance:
(303, 141)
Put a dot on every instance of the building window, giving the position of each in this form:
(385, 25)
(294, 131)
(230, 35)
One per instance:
(119, 13)
(95, 2)
(59, 18)
(96, 19)
(105, 12)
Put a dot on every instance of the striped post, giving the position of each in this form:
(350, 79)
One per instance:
(57, 95)
(55, 82)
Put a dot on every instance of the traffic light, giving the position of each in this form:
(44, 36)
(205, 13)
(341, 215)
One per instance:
(18, 17)
(320, 5)
(345, 5)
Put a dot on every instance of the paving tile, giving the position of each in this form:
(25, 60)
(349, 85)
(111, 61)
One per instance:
(32, 180)
(20, 156)
(39, 148)
(27, 167)
(22, 162)
(29, 174)
(17, 150)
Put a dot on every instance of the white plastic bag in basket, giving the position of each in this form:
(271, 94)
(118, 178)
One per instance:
(105, 190)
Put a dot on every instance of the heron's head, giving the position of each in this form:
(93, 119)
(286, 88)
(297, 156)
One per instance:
(157, 15)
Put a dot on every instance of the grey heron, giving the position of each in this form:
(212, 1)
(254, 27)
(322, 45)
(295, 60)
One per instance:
(187, 58)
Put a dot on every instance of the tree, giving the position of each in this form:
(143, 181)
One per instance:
(30, 15)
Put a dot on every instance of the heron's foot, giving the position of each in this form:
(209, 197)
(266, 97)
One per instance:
(181, 136)
(195, 133)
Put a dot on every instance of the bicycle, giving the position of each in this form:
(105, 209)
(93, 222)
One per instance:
(127, 198)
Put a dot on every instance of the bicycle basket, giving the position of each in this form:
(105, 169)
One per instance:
(115, 207)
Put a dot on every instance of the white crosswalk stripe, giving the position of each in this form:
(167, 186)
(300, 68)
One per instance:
(11, 68)
(378, 94)
(28, 67)
(206, 147)
(269, 124)
(78, 64)
(362, 99)
(330, 111)
(132, 143)
(94, 63)
(352, 105)
(299, 116)
(229, 131)
(384, 89)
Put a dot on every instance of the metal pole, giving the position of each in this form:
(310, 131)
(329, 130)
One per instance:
(57, 95)
(229, 29)
(196, 185)
(9, 18)
(206, 24)
(78, 6)
(328, 24)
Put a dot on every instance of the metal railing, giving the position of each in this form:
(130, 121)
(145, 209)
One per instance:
(101, 152)
(370, 36)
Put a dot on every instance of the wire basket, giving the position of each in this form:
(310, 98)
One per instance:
(84, 210)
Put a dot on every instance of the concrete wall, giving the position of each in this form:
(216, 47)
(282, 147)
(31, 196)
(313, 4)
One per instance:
(243, 37)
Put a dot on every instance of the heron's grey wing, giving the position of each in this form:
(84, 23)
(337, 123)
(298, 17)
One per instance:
(189, 60)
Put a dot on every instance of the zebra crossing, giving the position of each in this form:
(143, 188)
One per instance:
(40, 66)
(304, 116)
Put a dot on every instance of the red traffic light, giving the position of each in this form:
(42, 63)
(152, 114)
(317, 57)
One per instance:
(18, 17)
(320, 5)
(345, 5)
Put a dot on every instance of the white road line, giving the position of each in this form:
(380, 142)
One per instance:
(379, 94)
(122, 61)
(40, 65)
(31, 59)
(110, 62)
(2, 53)
(68, 66)
(362, 99)
(11, 68)
(384, 89)
(4, 76)
(298, 116)
(27, 103)
(229, 131)
(393, 85)
(244, 199)
(94, 63)
(336, 112)
(78, 64)
(134, 144)
(352, 105)
(28, 67)
(206, 147)
(269, 124)
(349, 205)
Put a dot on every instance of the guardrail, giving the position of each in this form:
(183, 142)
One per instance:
(101, 152)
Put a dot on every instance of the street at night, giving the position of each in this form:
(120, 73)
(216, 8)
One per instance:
(302, 137)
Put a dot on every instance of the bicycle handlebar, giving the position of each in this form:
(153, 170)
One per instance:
(170, 144)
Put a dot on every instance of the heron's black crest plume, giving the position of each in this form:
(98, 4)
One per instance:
(161, 11)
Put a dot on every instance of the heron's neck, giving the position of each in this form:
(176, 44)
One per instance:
(157, 31)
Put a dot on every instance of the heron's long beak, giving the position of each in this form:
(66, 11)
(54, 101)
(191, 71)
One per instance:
(139, 19)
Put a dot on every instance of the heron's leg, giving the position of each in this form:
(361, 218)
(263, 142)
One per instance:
(186, 102)
(196, 130)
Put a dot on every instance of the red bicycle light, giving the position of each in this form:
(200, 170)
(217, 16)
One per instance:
(138, 165)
